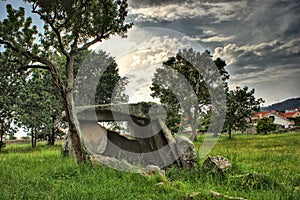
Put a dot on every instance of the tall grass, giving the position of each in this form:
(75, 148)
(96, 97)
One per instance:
(42, 173)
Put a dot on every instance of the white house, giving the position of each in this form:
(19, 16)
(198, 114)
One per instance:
(277, 118)
(280, 120)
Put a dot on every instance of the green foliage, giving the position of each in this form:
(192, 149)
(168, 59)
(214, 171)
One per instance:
(241, 103)
(111, 86)
(265, 125)
(40, 106)
(183, 81)
(80, 21)
(204, 121)
(102, 69)
(173, 120)
(10, 86)
(12, 137)
(296, 120)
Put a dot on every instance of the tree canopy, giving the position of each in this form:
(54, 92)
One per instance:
(103, 70)
(10, 82)
(241, 103)
(70, 27)
(185, 81)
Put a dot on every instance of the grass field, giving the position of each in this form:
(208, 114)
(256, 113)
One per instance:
(42, 173)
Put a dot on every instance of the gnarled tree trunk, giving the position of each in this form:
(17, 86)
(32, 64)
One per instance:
(71, 112)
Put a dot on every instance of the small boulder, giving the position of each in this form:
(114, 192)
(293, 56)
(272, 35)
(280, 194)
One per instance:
(219, 163)
(187, 152)
(153, 169)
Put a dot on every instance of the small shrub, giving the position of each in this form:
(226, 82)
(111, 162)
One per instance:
(265, 125)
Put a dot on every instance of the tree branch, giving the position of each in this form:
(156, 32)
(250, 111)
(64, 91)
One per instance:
(94, 41)
(61, 45)
(27, 54)
(48, 64)
(26, 67)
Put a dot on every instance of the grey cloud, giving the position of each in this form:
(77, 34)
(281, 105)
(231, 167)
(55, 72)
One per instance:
(259, 40)
(266, 52)
(216, 12)
(139, 3)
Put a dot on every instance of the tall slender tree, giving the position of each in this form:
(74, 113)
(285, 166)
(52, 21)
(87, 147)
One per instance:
(70, 27)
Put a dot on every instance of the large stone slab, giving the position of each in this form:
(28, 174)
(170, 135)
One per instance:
(151, 143)
(121, 112)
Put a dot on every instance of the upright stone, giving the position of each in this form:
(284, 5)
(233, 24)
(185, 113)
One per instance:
(187, 152)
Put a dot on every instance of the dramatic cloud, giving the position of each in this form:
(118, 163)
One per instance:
(259, 40)
(195, 9)
(142, 52)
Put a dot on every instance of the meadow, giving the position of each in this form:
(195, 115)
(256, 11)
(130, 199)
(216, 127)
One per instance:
(263, 167)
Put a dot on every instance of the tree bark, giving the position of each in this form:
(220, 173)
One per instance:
(69, 105)
(194, 123)
(171, 141)
(35, 138)
(52, 137)
(229, 132)
(33, 145)
(71, 112)
(1, 140)
(194, 132)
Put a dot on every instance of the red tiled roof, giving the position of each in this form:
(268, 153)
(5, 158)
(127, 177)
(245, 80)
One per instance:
(262, 114)
(289, 115)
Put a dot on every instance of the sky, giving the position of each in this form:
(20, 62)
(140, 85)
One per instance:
(259, 40)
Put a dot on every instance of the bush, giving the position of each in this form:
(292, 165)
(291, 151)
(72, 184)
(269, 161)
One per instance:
(265, 125)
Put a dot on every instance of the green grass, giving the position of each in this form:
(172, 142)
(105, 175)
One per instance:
(276, 156)
(42, 173)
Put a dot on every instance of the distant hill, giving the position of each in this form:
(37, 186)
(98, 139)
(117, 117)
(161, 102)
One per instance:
(282, 106)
